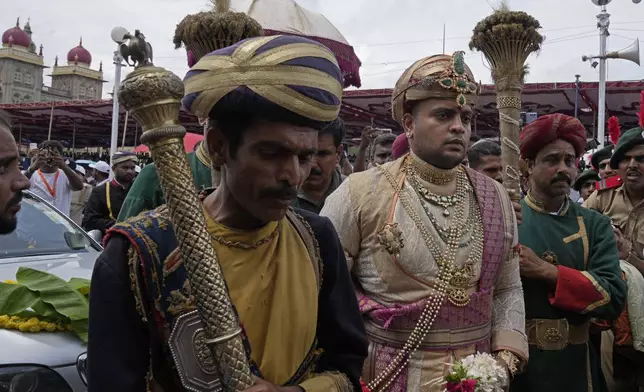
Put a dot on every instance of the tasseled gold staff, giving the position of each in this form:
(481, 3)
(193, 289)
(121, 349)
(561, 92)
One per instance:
(153, 96)
(507, 38)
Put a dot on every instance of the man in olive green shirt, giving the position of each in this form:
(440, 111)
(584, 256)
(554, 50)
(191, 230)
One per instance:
(146, 193)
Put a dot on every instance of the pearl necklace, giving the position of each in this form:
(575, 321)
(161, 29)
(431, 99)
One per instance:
(445, 261)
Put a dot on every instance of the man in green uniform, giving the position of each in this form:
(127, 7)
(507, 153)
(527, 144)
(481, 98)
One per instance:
(146, 193)
(569, 264)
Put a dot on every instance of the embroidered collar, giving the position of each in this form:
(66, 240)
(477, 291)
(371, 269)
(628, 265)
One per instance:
(117, 184)
(539, 207)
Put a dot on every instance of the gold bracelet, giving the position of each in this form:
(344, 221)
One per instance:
(510, 360)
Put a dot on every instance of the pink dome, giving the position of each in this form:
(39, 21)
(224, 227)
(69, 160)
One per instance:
(79, 54)
(16, 36)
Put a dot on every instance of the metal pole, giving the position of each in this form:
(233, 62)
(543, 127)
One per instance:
(577, 96)
(74, 137)
(19, 136)
(603, 21)
(115, 105)
(51, 121)
(127, 114)
(443, 38)
(136, 133)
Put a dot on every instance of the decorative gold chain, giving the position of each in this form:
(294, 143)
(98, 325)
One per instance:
(434, 303)
(245, 246)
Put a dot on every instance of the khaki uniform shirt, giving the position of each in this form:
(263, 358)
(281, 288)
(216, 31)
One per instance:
(615, 204)
(79, 200)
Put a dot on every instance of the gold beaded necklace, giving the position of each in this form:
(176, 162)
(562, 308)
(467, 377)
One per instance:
(446, 262)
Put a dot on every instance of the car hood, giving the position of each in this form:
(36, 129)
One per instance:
(45, 348)
(65, 265)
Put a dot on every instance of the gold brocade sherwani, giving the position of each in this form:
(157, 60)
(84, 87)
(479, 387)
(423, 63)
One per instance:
(394, 288)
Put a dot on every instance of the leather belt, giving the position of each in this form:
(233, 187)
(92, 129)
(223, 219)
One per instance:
(556, 334)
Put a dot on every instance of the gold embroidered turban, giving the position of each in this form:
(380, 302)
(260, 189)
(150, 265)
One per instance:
(439, 76)
(291, 72)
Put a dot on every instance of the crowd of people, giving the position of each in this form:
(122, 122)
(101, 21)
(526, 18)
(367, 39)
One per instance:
(90, 195)
(375, 276)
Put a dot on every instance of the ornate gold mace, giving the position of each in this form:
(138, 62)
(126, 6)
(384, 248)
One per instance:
(506, 39)
(152, 95)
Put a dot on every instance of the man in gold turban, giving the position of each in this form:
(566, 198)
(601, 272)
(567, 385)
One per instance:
(266, 99)
(431, 243)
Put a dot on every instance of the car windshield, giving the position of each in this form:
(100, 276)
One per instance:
(42, 230)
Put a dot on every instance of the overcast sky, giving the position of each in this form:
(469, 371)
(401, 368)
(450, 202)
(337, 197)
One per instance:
(388, 35)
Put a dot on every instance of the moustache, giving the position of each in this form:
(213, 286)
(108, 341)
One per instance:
(316, 172)
(15, 200)
(283, 192)
(562, 178)
(633, 172)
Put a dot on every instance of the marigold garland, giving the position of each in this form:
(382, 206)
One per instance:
(32, 324)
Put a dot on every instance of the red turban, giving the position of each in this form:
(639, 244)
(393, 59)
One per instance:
(547, 129)
(400, 146)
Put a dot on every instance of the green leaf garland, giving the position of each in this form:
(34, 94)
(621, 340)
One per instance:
(47, 297)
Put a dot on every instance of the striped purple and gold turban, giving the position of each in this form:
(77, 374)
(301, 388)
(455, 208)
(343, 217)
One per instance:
(293, 73)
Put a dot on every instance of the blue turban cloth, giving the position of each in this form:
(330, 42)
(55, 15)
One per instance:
(288, 72)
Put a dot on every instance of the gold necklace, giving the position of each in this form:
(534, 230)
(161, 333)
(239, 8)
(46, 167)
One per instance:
(245, 246)
(430, 173)
(443, 201)
(434, 303)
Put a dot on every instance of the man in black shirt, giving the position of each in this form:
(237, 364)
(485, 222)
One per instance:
(105, 202)
(325, 176)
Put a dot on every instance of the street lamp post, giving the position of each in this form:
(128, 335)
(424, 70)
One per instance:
(603, 22)
(632, 54)
(115, 105)
(118, 36)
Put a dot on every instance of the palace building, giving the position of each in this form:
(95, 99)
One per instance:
(22, 71)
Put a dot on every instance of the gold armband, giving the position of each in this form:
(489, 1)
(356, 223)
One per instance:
(510, 360)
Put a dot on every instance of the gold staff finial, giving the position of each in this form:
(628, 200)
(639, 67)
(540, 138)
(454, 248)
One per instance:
(152, 95)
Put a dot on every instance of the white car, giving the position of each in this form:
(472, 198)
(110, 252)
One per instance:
(45, 240)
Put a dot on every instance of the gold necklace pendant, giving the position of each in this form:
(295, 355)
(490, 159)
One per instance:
(459, 297)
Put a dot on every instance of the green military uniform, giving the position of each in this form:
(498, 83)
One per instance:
(146, 193)
(588, 284)
(581, 243)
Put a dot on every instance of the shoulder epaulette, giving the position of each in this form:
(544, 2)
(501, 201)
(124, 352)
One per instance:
(609, 183)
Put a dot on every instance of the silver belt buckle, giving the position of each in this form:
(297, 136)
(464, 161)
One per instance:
(191, 355)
